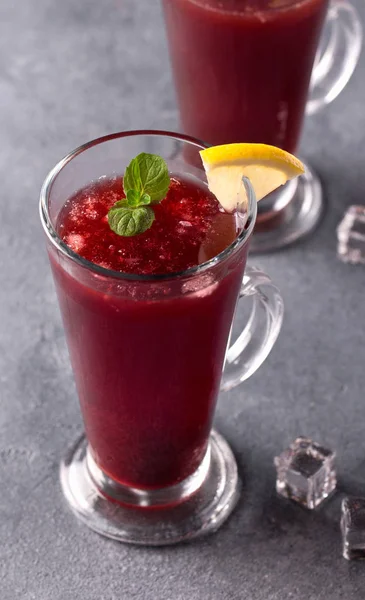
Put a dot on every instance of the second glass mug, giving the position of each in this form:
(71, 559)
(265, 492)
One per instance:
(147, 354)
(243, 73)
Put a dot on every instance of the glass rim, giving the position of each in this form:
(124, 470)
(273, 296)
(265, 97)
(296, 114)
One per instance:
(66, 250)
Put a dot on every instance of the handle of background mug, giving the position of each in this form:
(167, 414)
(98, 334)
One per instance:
(337, 55)
(256, 340)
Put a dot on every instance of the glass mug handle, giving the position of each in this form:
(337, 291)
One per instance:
(259, 335)
(337, 55)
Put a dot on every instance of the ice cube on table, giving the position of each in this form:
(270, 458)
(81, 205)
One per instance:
(351, 236)
(305, 472)
(353, 528)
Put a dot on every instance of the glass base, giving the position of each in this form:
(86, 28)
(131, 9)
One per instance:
(192, 508)
(288, 214)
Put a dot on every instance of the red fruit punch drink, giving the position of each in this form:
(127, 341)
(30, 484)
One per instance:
(242, 67)
(148, 269)
(147, 362)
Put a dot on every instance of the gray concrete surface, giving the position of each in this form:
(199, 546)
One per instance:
(70, 71)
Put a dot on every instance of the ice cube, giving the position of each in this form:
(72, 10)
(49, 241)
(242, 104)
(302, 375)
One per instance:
(200, 286)
(91, 213)
(75, 241)
(183, 227)
(353, 528)
(351, 236)
(305, 472)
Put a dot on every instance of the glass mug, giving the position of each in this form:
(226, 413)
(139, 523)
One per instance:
(243, 72)
(147, 354)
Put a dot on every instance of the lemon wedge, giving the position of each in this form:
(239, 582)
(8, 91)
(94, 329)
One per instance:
(267, 168)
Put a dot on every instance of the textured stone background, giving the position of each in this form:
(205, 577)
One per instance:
(70, 71)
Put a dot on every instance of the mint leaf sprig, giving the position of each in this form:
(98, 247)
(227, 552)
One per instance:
(146, 181)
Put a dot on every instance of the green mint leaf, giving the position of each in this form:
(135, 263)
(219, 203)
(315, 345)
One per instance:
(132, 177)
(147, 174)
(133, 198)
(128, 221)
(144, 200)
(120, 204)
(146, 181)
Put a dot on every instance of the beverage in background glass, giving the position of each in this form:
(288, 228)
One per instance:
(242, 71)
(242, 67)
(147, 321)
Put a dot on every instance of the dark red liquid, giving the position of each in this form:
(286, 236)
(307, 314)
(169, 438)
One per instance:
(242, 67)
(189, 228)
(148, 355)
